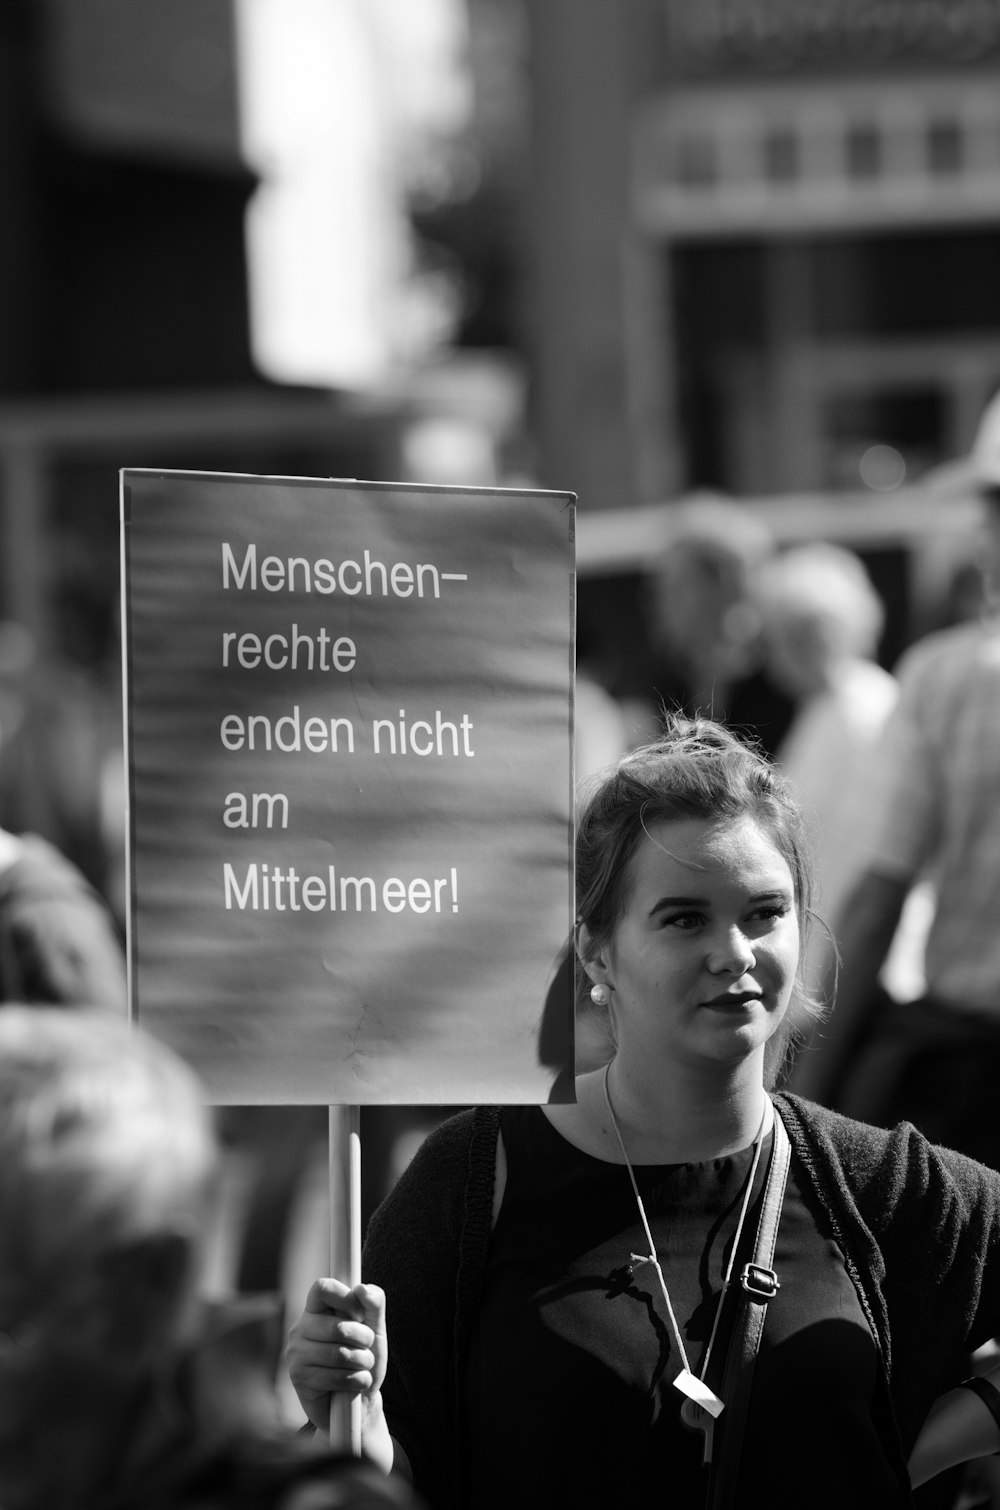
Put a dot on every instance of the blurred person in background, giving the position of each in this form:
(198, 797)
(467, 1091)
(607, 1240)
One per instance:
(932, 808)
(601, 727)
(822, 620)
(59, 723)
(701, 604)
(119, 1387)
(59, 939)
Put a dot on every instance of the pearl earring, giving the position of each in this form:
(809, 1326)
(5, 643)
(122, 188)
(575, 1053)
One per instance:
(600, 994)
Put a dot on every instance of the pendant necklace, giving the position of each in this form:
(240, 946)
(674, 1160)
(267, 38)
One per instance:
(690, 1384)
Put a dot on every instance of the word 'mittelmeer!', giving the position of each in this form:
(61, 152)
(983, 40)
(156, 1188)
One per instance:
(266, 888)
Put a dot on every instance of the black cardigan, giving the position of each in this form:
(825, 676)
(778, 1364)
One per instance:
(919, 1227)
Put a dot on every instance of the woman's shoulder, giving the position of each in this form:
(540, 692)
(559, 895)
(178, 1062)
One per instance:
(891, 1165)
(822, 1122)
(819, 1133)
(445, 1191)
(457, 1154)
(456, 1136)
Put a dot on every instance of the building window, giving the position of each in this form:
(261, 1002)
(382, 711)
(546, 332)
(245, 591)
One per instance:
(696, 161)
(781, 155)
(863, 151)
(944, 146)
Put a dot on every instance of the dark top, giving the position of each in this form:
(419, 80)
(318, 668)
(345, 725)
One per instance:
(575, 1347)
(919, 1227)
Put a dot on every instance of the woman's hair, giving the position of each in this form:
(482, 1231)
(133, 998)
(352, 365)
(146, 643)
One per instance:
(696, 769)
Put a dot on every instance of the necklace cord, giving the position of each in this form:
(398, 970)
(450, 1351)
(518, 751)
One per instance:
(653, 1257)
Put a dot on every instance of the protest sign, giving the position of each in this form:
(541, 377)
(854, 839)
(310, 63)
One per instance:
(348, 712)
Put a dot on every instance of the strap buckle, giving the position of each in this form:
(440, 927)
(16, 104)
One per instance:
(759, 1282)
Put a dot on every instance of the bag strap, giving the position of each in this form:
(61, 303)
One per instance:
(760, 1284)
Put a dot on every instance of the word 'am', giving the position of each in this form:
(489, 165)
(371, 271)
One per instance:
(352, 578)
(276, 888)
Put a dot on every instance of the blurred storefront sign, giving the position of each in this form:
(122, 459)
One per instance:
(840, 115)
(837, 157)
(720, 37)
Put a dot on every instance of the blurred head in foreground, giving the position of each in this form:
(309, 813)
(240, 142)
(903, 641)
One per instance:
(107, 1166)
(121, 1387)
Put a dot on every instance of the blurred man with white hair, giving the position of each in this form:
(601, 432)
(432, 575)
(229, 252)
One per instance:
(119, 1387)
(822, 620)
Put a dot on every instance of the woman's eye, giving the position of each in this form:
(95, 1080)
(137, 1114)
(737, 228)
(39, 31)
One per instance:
(683, 920)
(772, 912)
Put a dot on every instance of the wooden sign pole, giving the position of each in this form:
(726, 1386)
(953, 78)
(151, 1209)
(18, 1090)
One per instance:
(345, 1249)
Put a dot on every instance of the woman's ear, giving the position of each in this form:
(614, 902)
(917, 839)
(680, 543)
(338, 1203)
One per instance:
(591, 957)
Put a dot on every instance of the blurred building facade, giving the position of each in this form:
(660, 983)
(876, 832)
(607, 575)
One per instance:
(798, 208)
(768, 238)
(827, 178)
(662, 246)
(126, 339)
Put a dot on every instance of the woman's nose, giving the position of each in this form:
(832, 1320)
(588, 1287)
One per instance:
(732, 954)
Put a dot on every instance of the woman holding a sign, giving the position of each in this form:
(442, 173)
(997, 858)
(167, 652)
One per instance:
(680, 1284)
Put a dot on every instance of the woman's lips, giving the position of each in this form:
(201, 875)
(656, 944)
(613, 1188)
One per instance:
(733, 1001)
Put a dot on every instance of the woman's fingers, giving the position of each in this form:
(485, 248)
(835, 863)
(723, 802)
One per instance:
(335, 1370)
(372, 1302)
(316, 1329)
(332, 1295)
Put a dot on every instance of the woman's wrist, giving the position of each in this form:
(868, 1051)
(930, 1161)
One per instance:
(376, 1443)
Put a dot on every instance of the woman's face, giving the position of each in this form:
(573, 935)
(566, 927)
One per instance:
(703, 960)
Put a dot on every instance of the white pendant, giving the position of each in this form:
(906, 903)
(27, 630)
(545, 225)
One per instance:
(696, 1418)
(698, 1391)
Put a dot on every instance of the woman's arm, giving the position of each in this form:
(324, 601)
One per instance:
(961, 1425)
